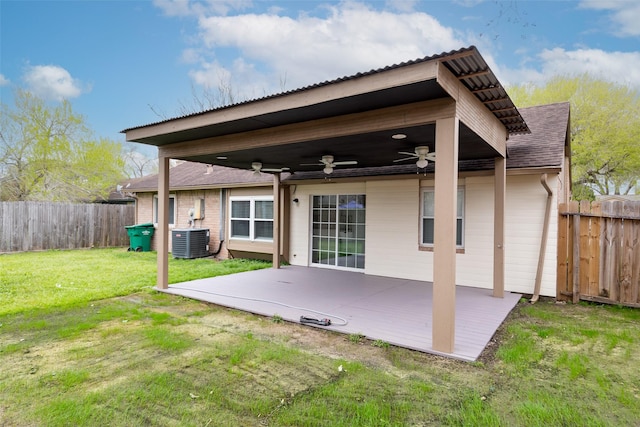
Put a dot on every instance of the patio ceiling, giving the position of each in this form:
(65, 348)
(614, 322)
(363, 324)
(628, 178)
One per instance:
(391, 89)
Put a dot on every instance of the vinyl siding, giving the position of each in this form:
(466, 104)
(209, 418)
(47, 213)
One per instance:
(241, 245)
(393, 231)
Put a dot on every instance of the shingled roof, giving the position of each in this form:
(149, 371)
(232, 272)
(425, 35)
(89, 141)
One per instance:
(192, 176)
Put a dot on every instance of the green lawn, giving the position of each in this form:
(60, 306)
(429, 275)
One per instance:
(53, 278)
(114, 352)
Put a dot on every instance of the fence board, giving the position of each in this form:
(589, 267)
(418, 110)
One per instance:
(601, 245)
(594, 251)
(562, 278)
(585, 256)
(28, 226)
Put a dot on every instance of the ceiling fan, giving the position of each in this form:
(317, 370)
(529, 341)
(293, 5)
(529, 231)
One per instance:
(257, 168)
(329, 164)
(421, 153)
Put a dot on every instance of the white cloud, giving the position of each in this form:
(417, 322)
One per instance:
(617, 67)
(3, 80)
(52, 82)
(190, 56)
(624, 15)
(200, 8)
(309, 49)
(402, 5)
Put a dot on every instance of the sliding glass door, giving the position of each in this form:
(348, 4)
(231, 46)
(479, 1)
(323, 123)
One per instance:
(338, 230)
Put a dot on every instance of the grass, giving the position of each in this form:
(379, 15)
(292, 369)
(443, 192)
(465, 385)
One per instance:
(138, 357)
(54, 278)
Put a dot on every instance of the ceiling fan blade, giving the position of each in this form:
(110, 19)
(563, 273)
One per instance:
(431, 157)
(346, 162)
(405, 159)
(406, 153)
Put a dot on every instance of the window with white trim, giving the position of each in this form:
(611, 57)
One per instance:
(427, 214)
(251, 218)
(172, 209)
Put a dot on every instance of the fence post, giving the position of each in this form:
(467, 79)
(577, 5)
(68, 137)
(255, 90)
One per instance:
(593, 287)
(628, 289)
(562, 275)
(575, 251)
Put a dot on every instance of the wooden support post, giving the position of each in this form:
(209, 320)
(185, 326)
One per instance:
(444, 245)
(276, 220)
(499, 191)
(163, 223)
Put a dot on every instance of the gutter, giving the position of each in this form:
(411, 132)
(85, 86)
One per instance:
(543, 242)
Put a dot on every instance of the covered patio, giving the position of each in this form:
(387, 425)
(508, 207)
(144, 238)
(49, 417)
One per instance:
(450, 104)
(395, 311)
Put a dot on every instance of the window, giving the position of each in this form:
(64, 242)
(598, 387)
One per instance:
(428, 207)
(172, 209)
(252, 218)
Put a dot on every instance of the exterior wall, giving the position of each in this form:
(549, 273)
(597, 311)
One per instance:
(242, 248)
(185, 200)
(393, 230)
(144, 209)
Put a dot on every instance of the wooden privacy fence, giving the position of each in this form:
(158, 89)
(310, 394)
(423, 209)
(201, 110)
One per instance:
(599, 252)
(30, 226)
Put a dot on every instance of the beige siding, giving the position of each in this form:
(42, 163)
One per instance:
(393, 231)
(239, 247)
(393, 226)
(526, 199)
(250, 191)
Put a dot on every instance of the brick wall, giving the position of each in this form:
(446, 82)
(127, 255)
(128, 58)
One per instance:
(184, 201)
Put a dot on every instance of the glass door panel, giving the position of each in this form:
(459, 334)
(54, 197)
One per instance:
(338, 230)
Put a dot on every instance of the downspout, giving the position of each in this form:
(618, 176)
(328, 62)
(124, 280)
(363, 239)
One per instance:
(543, 242)
(223, 211)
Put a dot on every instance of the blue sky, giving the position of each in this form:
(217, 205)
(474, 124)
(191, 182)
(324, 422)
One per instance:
(121, 62)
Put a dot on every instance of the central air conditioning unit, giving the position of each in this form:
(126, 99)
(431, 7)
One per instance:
(190, 243)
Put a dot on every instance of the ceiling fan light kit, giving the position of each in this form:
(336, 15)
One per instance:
(422, 163)
(421, 154)
(328, 162)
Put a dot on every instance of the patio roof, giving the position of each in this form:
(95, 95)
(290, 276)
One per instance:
(387, 90)
(396, 311)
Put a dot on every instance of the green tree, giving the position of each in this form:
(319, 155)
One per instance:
(47, 152)
(605, 131)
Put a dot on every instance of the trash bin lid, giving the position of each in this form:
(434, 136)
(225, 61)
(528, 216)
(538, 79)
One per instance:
(145, 225)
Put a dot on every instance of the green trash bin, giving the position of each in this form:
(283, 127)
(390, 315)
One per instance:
(140, 237)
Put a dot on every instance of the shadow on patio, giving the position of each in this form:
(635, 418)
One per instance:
(396, 311)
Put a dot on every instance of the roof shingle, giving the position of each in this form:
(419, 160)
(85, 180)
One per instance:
(199, 175)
